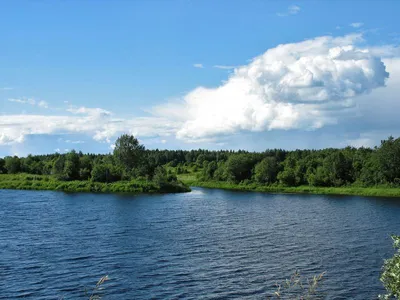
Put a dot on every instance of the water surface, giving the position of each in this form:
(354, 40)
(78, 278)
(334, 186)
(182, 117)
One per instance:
(207, 244)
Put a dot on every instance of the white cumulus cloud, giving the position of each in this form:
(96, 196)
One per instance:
(304, 85)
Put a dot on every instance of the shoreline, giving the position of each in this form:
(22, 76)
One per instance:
(48, 183)
(339, 191)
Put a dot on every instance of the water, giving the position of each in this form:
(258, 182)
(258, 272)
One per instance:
(207, 244)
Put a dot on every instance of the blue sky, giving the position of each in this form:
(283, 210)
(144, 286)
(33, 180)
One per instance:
(197, 74)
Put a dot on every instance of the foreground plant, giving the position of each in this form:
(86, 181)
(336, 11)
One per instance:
(298, 288)
(391, 273)
(94, 295)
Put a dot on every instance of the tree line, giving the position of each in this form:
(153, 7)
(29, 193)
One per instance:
(328, 167)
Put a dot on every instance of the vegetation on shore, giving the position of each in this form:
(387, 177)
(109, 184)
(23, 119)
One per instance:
(47, 182)
(390, 276)
(128, 169)
(378, 191)
(347, 171)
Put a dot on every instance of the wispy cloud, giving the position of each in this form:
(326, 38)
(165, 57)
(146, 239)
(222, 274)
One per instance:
(6, 88)
(30, 101)
(224, 67)
(23, 100)
(200, 66)
(356, 24)
(74, 142)
(291, 10)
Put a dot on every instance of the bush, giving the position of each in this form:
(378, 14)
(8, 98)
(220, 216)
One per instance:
(391, 273)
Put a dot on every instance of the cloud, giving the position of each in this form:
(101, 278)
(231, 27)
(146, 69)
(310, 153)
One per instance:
(98, 123)
(74, 142)
(291, 10)
(30, 101)
(200, 66)
(23, 100)
(43, 104)
(94, 112)
(224, 67)
(356, 25)
(331, 87)
(305, 85)
(6, 88)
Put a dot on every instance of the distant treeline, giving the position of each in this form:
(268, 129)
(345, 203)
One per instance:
(327, 167)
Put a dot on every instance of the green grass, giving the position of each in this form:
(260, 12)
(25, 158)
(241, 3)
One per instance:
(187, 177)
(350, 190)
(43, 182)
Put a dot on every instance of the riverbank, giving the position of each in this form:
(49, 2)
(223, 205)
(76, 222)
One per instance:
(43, 182)
(252, 187)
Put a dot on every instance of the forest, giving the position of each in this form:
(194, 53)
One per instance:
(346, 167)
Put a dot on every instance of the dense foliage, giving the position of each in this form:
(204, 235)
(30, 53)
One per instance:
(391, 272)
(318, 168)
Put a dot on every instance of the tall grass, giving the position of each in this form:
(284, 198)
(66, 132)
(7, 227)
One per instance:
(299, 288)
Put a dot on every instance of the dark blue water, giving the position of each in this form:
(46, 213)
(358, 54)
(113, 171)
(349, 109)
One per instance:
(208, 244)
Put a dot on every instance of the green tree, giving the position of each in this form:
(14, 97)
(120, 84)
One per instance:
(219, 173)
(58, 167)
(103, 172)
(200, 159)
(100, 173)
(160, 175)
(2, 166)
(128, 152)
(71, 166)
(388, 156)
(238, 167)
(208, 172)
(371, 172)
(266, 170)
(320, 177)
(289, 175)
(12, 164)
(85, 166)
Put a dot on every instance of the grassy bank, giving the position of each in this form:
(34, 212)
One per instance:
(350, 190)
(41, 182)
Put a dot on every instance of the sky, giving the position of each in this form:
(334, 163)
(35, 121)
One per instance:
(198, 74)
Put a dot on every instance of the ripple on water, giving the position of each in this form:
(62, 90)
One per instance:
(206, 244)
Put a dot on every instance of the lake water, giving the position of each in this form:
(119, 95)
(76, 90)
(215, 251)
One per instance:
(207, 244)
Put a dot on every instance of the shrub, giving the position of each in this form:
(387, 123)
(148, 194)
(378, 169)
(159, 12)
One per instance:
(391, 273)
